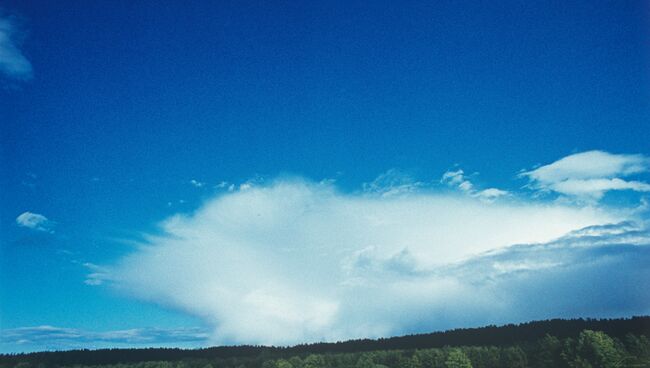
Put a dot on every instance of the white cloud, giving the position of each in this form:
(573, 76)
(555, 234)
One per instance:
(458, 179)
(589, 175)
(97, 275)
(12, 61)
(34, 221)
(596, 188)
(296, 261)
(196, 183)
(51, 337)
(491, 193)
(391, 183)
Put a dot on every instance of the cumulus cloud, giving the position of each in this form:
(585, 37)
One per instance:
(589, 175)
(50, 337)
(34, 221)
(293, 261)
(13, 63)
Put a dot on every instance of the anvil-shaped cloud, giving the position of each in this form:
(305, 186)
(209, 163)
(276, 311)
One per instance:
(296, 261)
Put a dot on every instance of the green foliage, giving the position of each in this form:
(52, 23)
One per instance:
(483, 357)
(548, 352)
(409, 362)
(365, 361)
(588, 349)
(283, 364)
(457, 359)
(638, 346)
(599, 349)
(296, 362)
(431, 358)
(314, 361)
(513, 357)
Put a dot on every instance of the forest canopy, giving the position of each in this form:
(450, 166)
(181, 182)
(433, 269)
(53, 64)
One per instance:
(552, 343)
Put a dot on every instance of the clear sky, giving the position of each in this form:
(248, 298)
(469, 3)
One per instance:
(210, 172)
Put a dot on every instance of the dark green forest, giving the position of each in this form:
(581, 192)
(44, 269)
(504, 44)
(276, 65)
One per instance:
(582, 343)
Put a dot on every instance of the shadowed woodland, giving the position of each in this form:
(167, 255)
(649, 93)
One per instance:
(553, 343)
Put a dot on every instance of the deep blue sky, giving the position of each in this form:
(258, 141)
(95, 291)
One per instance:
(130, 100)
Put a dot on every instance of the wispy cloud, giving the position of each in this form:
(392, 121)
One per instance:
(34, 221)
(97, 274)
(292, 261)
(589, 175)
(458, 179)
(13, 63)
(196, 183)
(393, 182)
(49, 337)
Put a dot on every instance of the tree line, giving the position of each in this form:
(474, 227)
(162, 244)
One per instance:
(552, 343)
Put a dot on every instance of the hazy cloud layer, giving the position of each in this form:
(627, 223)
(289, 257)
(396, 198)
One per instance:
(296, 261)
(13, 63)
(49, 337)
(589, 175)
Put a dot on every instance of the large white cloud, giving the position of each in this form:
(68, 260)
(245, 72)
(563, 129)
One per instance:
(297, 261)
(12, 61)
(588, 175)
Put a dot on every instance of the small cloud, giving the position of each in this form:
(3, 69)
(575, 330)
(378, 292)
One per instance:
(97, 276)
(13, 63)
(457, 178)
(589, 175)
(596, 188)
(222, 185)
(491, 194)
(29, 180)
(197, 184)
(34, 221)
(391, 183)
(178, 202)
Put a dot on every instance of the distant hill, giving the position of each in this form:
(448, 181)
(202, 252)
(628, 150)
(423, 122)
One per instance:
(506, 335)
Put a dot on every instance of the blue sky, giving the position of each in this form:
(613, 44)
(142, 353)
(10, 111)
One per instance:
(181, 174)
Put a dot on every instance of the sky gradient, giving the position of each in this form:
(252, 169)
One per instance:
(182, 174)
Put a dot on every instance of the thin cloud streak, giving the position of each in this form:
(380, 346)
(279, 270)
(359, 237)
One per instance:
(51, 337)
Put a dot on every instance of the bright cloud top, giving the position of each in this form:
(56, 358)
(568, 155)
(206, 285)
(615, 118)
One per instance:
(12, 61)
(297, 261)
(34, 221)
(588, 175)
